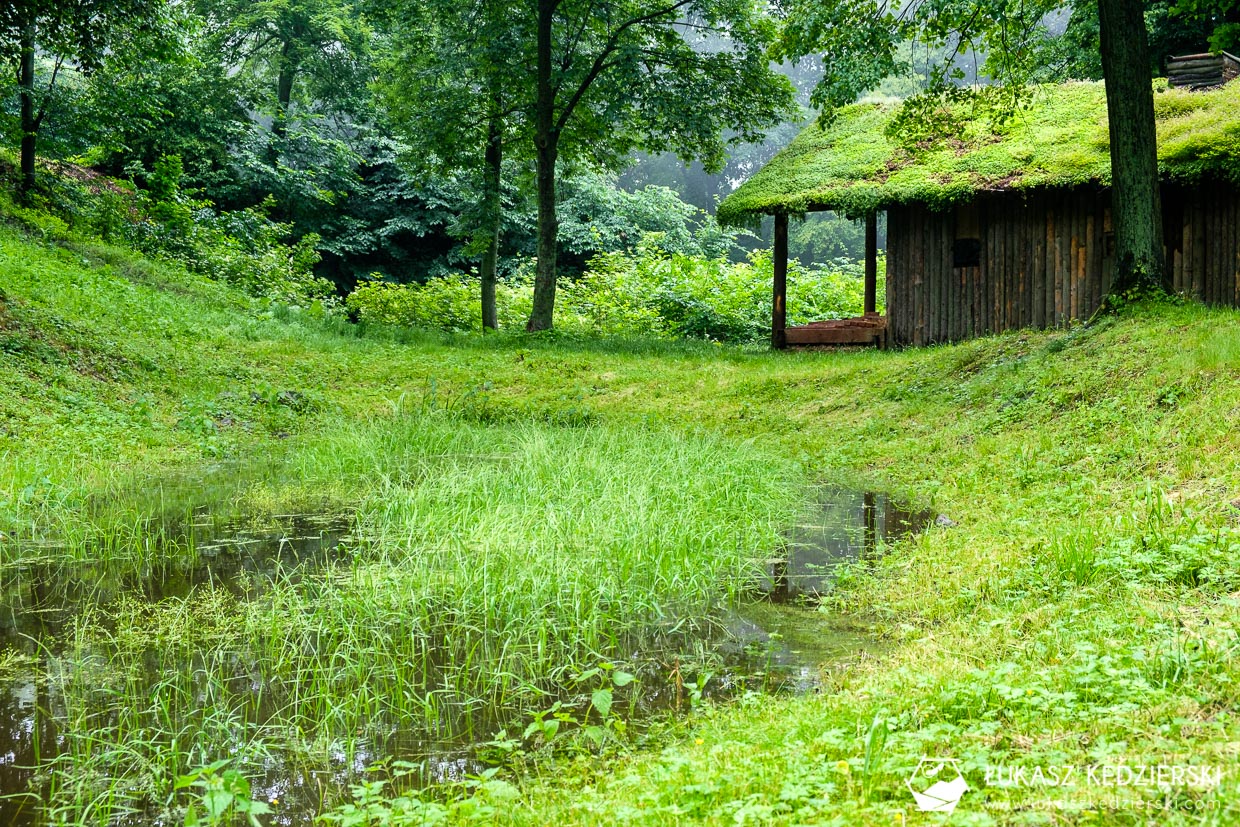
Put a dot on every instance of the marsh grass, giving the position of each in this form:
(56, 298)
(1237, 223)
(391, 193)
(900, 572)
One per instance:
(495, 565)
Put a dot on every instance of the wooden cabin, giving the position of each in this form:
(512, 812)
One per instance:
(1003, 229)
(1202, 71)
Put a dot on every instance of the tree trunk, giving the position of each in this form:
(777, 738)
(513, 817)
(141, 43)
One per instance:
(493, 213)
(1135, 201)
(284, 99)
(546, 142)
(29, 122)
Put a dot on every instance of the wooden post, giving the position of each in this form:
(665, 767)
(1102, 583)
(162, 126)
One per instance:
(871, 263)
(779, 293)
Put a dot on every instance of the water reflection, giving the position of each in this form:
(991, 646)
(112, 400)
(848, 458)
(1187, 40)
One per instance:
(847, 526)
(773, 644)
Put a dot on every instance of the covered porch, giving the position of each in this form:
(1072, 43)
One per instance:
(868, 329)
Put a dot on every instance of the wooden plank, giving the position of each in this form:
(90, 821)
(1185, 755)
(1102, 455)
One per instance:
(913, 239)
(1012, 253)
(1082, 263)
(1217, 241)
(919, 278)
(1074, 246)
(1226, 273)
(910, 266)
(1015, 236)
(1038, 268)
(946, 272)
(1099, 243)
(892, 265)
(1222, 270)
(897, 269)
(834, 336)
(1226, 243)
(1210, 221)
(1222, 242)
(1230, 255)
(986, 220)
(1093, 262)
(779, 289)
(946, 234)
(1065, 259)
(871, 261)
(1199, 250)
(1032, 229)
(1001, 269)
(1235, 249)
(1186, 246)
(961, 309)
(1053, 251)
(1190, 233)
(994, 223)
(934, 279)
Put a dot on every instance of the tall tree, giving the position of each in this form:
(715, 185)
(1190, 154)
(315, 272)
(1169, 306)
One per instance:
(459, 101)
(611, 76)
(1136, 204)
(859, 42)
(80, 31)
(317, 43)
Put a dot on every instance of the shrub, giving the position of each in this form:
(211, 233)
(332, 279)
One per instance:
(652, 293)
(662, 294)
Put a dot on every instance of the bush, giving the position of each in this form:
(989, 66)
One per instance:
(452, 303)
(244, 248)
(652, 293)
(662, 294)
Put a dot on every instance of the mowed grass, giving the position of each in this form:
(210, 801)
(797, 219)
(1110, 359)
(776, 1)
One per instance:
(1081, 611)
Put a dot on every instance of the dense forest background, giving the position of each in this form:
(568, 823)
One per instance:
(277, 144)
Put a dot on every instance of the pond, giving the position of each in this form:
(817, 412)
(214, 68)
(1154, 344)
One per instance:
(60, 672)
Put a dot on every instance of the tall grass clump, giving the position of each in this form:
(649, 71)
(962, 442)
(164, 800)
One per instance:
(498, 563)
(504, 558)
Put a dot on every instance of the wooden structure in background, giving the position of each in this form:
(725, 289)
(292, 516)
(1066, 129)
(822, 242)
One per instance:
(1202, 71)
(1010, 260)
(1202, 236)
(1026, 243)
(1000, 262)
(869, 329)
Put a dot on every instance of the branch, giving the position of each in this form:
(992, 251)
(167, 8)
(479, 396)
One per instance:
(601, 63)
(47, 96)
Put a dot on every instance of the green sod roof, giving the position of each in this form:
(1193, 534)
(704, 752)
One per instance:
(1059, 141)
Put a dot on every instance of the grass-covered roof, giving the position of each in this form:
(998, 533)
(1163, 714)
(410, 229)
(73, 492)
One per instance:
(853, 166)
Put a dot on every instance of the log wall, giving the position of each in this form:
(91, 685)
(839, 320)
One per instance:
(1045, 258)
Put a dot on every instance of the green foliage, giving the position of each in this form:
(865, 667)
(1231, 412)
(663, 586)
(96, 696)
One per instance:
(597, 216)
(656, 293)
(449, 303)
(244, 248)
(223, 793)
(1060, 140)
(649, 293)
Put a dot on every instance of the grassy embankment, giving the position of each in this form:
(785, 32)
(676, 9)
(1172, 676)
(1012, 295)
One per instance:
(1081, 612)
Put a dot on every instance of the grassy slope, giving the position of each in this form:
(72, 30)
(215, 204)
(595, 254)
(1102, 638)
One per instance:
(1081, 610)
(1060, 140)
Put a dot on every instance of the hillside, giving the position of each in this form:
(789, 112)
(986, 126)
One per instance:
(1079, 610)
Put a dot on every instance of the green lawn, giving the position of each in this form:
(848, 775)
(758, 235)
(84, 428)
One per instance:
(1081, 611)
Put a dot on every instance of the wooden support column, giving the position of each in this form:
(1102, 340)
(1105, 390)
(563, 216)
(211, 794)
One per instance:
(779, 292)
(871, 263)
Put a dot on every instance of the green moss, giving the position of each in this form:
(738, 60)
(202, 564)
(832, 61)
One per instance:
(1060, 140)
